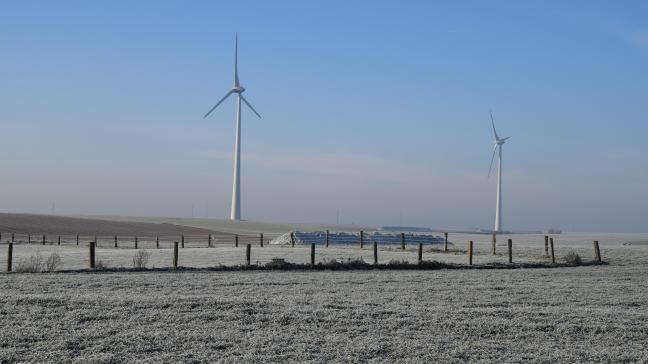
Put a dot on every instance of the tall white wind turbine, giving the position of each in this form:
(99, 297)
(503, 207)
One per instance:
(497, 147)
(235, 213)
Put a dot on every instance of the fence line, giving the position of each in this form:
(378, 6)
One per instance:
(131, 241)
(212, 240)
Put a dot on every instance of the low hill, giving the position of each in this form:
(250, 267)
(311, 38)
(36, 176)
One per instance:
(65, 225)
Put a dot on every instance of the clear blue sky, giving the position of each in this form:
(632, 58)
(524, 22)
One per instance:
(378, 109)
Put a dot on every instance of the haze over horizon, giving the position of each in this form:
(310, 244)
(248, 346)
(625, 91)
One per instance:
(380, 112)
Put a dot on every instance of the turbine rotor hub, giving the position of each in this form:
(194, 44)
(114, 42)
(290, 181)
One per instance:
(238, 89)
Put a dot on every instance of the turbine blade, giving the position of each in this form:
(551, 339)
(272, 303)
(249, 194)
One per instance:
(218, 103)
(250, 106)
(493, 123)
(236, 80)
(492, 160)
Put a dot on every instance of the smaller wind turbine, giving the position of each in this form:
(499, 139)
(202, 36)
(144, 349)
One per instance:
(497, 146)
(235, 212)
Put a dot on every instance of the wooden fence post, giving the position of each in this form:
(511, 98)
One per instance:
(92, 255)
(546, 245)
(361, 239)
(9, 257)
(402, 239)
(175, 255)
(420, 254)
(494, 243)
(292, 239)
(28, 238)
(327, 238)
(597, 251)
(375, 253)
(261, 239)
(236, 240)
(445, 242)
(95, 240)
(510, 250)
(551, 245)
(59, 240)
(43, 239)
(115, 241)
(312, 254)
(157, 242)
(136, 240)
(77, 239)
(470, 252)
(248, 248)
(183, 241)
(209, 239)
(12, 237)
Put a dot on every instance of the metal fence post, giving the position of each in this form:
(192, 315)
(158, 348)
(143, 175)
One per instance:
(327, 238)
(92, 255)
(175, 255)
(470, 252)
(375, 252)
(9, 257)
(597, 251)
(551, 245)
(510, 250)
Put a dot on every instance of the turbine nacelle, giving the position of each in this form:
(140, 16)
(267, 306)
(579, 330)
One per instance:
(501, 141)
(237, 88)
(496, 144)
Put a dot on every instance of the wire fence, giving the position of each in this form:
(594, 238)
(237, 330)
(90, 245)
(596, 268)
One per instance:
(35, 252)
(137, 241)
(220, 239)
(347, 238)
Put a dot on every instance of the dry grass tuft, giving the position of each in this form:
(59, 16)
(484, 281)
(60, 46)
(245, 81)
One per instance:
(36, 264)
(32, 264)
(53, 263)
(572, 258)
(101, 265)
(141, 259)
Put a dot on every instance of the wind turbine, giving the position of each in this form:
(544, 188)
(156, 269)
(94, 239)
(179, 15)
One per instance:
(235, 212)
(497, 146)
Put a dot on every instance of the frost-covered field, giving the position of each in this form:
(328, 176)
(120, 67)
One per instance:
(526, 248)
(581, 314)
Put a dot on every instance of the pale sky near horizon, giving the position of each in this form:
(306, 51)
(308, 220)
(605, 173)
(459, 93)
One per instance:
(378, 110)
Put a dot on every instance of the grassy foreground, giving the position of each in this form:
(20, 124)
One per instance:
(586, 314)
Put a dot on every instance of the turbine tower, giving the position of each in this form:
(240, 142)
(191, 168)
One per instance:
(235, 212)
(497, 147)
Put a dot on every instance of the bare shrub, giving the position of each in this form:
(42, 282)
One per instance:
(53, 262)
(573, 258)
(278, 263)
(36, 263)
(100, 265)
(33, 264)
(349, 263)
(141, 259)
